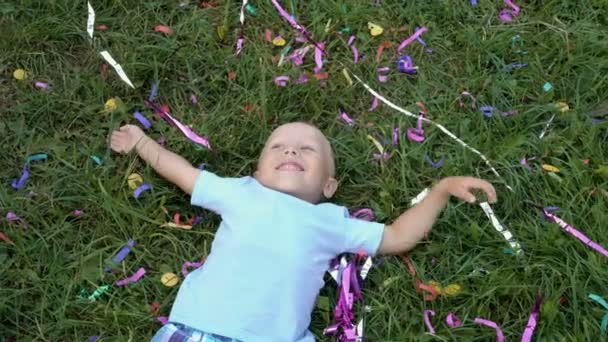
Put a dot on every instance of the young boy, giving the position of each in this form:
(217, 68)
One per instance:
(277, 236)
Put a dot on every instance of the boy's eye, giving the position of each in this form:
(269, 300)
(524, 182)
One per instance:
(275, 146)
(308, 148)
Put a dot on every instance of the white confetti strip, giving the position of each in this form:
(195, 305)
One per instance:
(501, 229)
(419, 197)
(90, 20)
(106, 55)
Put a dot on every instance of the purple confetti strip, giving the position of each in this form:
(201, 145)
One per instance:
(133, 278)
(42, 85)
(187, 131)
(188, 264)
(487, 111)
(142, 120)
(197, 220)
(375, 103)
(144, 187)
(163, 319)
(427, 320)
(94, 338)
(435, 165)
(193, 99)
(153, 91)
(346, 118)
(499, 335)
(77, 212)
(395, 135)
(239, 45)
(411, 38)
(302, 79)
(405, 64)
(576, 233)
(453, 321)
(281, 81)
(319, 48)
(122, 254)
(531, 326)
(473, 3)
(18, 184)
(382, 74)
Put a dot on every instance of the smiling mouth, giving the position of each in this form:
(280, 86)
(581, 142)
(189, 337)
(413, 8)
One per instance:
(290, 166)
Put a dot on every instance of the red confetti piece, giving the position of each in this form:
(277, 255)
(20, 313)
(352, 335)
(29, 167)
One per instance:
(101, 27)
(154, 307)
(104, 71)
(163, 29)
(321, 76)
(231, 75)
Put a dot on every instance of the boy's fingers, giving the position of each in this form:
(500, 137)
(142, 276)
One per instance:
(487, 188)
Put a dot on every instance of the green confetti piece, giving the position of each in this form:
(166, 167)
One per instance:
(547, 87)
(601, 301)
(97, 160)
(251, 10)
(98, 292)
(286, 50)
(345, 30)
(37, 157)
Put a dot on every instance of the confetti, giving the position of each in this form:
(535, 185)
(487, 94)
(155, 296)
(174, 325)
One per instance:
(169, 279)
(433, 164)
(187, 131)
(251, 10)
(42, 85)
(121, 73)
(374, 30)
(133, 278)
(410, 39)
(395, 136)
(562, 107)
(507, 14)
(77, 212)
(121, 255)
(374, 104)
(469, 95)
(499, 335)
(187, 264)
(278, 41)
(550, 168)
(163, 319)
(347, 76)
(138, 191)
(453, 321)
(101, 27)
(576, 233)
(6, 238)
(281, 81)
(154, 307)
(111, 104)
(604, 303)
(365, 214)
(346, 118)
(529, 330)
(20, 74)
(163, 29)
(98, 292)
(193, 99)
(381, 48)
(134, 180)
(547, 87)
(349, 293)
(501, 229)
(90, 20)
(382, 77)
(18, 184)
(406, 65)
(488, 111)
(94, 338)
(544, 131)
(427, 320)
(416, 134)
(319, 48)
(353, 47)
(142, 120)
(291, 20)
(12, 217)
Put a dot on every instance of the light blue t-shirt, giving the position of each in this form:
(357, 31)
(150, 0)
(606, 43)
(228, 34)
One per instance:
(266, 265)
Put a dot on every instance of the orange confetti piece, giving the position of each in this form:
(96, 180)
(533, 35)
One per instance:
(321, 76)
(6, 239)
(163, 29)
(231, 75)
(381, 48)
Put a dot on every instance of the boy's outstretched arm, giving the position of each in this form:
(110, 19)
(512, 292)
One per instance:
(414, 224)
(171, 166)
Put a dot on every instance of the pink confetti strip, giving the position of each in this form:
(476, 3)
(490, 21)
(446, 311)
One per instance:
(346, 118)
(351, 41)
(298, 55)
(453, 321)
(499, 335)
(281, 81)
(302, 79)
(382, 74)
(187, 264)
(395, 135)
(416, 134)
(12, 217)
(507, 14)
(427, 320)
(374, 105)
(193, 99)
(163, 319)
(576, 233)
(290, 19)
(42, 85)
(187, 131)
(239, 45)
(319, 57)
(529, 331)
(411, 38)
(349, 292)
(132, 279)
(365, 214)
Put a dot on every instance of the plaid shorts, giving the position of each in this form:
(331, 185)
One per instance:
(175, 332)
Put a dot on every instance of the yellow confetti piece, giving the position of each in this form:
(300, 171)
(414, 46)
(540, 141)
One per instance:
(562, 107)
(376, 143)
(20, 74)
(279, 41)
(435, 285)
(550, 168)
(134, 180)
(221, 32)
(169, 279)
(452, 290)
(112, 104)
(175, 225)
(347, 76)
(374, 30)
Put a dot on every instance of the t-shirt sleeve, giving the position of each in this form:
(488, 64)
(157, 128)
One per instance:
(362, 236)
(216, 193)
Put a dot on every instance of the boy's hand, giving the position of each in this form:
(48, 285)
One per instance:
(463, 187)
(124, 139)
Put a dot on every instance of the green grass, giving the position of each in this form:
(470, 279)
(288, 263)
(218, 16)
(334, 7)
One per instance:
(58, 255)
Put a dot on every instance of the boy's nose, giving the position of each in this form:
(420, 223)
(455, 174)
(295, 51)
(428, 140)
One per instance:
(290, 151)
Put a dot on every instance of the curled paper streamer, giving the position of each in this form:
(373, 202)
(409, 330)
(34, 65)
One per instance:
(298, 55)
(133, 278)
(90, 20)
(576, 233)
(138, 191)
(153, 91)
(501, 229)
(154, 307)
(349, 292)
(365, 214)
(163, 29)
(427, 320)
(193, 99)
(290, 19)
(351, 40)
(453, 321)
(488, 111)
(441, 127)
(405, 64)
(18, 184)
(499, 335)
(187, 131)
(281, 81)
(187, 264)
(37, 157)
(121, 73)
(12, 217)
(469, 95)
(239, 45)
(319, 56)
(367, 265)
(381, 48)
(142, 119)
(122, 254)
(529, 331)
(411, 38)
(346, 118)
(601, 301)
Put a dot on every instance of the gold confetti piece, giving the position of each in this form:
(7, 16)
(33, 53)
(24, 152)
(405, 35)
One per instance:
(175, 225)
(221, 32)
(20, 74)
(169, 279)
(550, 168)
(376, 143)
(112, 104)
(347, 76)
(134, 180)
(452, 290)
(279, 41)
(374, 30)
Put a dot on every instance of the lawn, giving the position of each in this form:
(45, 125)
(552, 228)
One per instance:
(552, 52)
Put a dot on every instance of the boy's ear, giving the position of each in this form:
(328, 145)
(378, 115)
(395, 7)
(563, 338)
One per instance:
(330, 187)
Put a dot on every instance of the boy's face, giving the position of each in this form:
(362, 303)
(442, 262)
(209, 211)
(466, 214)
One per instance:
(297, 160)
